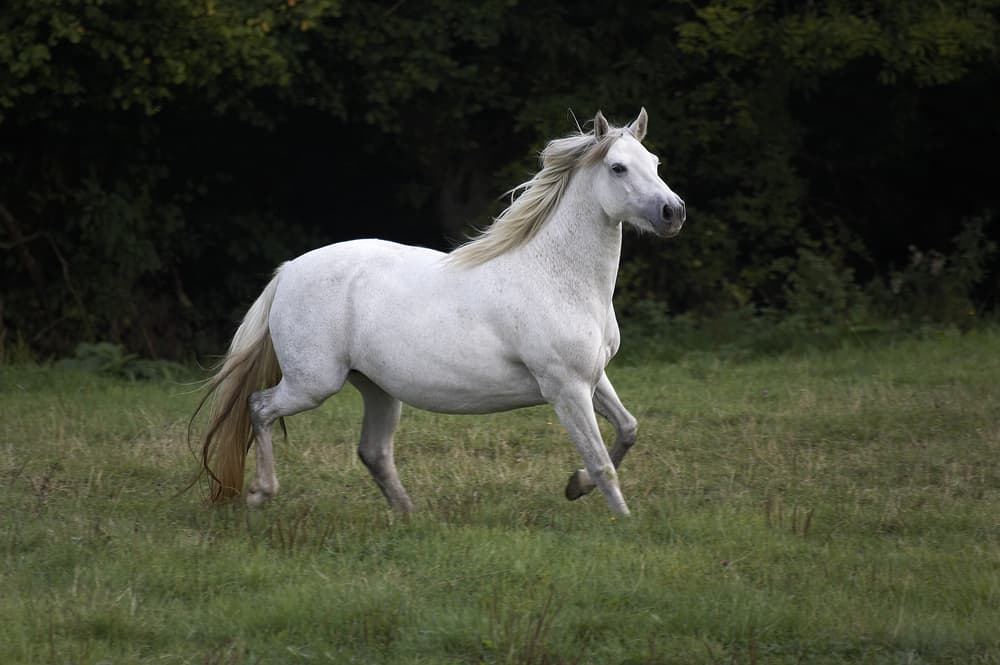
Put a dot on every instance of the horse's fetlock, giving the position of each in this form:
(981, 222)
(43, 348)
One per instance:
(606, 472)
(629, 432)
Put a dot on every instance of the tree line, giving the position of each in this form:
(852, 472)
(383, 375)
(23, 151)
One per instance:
(158, 160)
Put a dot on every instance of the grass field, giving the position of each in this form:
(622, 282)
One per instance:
(827, 507)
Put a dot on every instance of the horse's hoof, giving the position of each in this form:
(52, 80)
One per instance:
(402, 506)
(257, 497)
(579, 484)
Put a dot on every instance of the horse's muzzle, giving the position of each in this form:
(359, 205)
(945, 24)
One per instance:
(669, 230)
(672, 217)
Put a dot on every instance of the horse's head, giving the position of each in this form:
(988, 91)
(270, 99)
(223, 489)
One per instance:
(627, 185)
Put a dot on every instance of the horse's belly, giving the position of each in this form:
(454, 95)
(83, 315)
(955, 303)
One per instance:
(459, 383)
(460, 401)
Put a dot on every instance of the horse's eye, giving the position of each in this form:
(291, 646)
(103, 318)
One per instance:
(618, 168)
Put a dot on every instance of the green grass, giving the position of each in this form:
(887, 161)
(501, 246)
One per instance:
(828, 507)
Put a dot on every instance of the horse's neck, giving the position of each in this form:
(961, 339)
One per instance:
(577, 249)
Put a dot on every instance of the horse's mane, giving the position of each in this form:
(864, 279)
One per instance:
(533, 202)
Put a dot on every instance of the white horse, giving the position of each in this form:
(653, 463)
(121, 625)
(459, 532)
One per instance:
(519, 316)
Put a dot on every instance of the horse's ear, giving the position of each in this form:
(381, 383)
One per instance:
(601, 126)
(638, 126)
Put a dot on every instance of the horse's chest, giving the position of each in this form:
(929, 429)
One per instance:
(612, 337)
(582, 345)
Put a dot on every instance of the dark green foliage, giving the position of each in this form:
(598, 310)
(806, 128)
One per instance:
(940, 286)
(157, 161)
(111, 360)
(824, 127)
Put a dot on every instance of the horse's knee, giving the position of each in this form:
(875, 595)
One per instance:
(373, 457)
(370, 458)
(379, 462)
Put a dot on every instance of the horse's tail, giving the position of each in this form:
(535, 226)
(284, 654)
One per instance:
(249, 365)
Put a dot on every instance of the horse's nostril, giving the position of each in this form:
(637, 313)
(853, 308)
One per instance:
(668, 213)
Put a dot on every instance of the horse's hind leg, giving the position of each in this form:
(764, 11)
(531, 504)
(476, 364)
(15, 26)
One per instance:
(266, 406)
(382, 412)
(607, 404)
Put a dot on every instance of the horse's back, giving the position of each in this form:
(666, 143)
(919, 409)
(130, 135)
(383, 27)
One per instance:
(343, 259)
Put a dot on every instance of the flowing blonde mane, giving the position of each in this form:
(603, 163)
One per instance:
(533, 202)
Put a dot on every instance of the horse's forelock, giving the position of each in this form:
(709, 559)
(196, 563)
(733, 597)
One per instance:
(581, 149)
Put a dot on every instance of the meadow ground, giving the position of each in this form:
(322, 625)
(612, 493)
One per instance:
(840, 506)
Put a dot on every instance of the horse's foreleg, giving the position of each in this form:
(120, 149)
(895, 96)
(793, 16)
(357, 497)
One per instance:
(382, 412)
(607, 404)
(576, 412)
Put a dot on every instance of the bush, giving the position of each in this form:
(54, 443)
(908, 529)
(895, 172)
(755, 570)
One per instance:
(112, 360)
(935, 287)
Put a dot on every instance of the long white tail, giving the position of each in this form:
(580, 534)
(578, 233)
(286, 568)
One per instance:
(249, 365)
